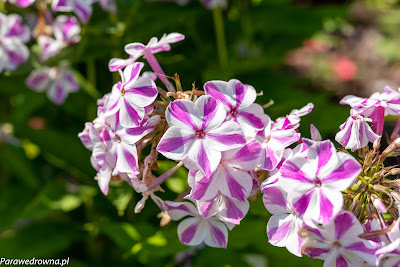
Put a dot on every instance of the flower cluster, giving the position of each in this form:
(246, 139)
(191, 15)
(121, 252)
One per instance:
(325, 203)
(52, 34)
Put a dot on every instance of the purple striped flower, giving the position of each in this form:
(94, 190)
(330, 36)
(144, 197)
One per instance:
(294, 116)
(66, 30)
(274, 140)
(314, 183)
(136, 50)
(238, 100)
(114, 147)
(376, 107)
(198, 132)
(231, 178)
(338, 243)
(355, 133)
(389, 255)
(82, 8)
(284, 224)
(131, 96)
(13, 35)
(21, 3)
(57, 82)
(228, 210)
(195, 230)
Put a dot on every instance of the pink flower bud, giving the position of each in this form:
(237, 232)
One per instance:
(378, 204)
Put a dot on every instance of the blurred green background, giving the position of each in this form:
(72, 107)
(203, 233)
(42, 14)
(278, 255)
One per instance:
(294, 51)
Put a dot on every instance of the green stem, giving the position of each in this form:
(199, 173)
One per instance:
(91, 72)
(220, 36)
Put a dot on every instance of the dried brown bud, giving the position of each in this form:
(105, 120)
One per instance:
(356, 208)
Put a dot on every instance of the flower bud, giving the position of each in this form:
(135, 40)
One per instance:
(371, 212)
(356, 208)
(394, 211)
(378, 203)
(377, 144)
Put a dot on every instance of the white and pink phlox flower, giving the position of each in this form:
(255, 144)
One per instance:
(231, 178)
(228, 210)
(238, 100)
(66, 30)
(21, 3)
(274, 140)
(294, 116)
(57, 81)
(376, 107)
(284, 224)
(198, 131)
(136, 50)
(82, 8)
(338, 243)
(13, 36)
(114, 147)
(314, 183)
(389, 255)
(195, 229)
(131, 96)
(355, 132)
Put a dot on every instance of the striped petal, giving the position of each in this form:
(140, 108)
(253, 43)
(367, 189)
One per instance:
(176, 143)
(182, 113)
(245, 158)
(227, 136)
(204, 156)
(178, 210)
(191, 231)
(142, 93)
(217, 234)
(127, 158)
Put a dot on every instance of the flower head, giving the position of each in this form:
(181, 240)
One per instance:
(338, 243)
(58, 82)
(355, 133)
(136, 50)
(238, 100)
(314, 183)
(131, 96)
(13, 35)
(199, 132)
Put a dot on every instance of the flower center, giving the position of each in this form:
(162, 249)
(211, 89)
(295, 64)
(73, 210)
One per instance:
(122, 91)
(267, 138)
(234, 112)
(318, 183)
(200, 134)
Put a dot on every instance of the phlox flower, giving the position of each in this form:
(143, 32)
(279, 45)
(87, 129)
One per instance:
(376, 107)
(314, 183)
(375, 225)
(66, 30)
(57, 81)
(114, 147)
(284, 224)
(195, 229)
(238, 100)
(389, 255)
(338, 243)
(137, 50)
(294, 116)
(355, 133)
(274, 139)
(130, 96)
(21, 3)
(198, 131)
(231, 177)
(229, 210)
(13, 35)
(82, 8)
